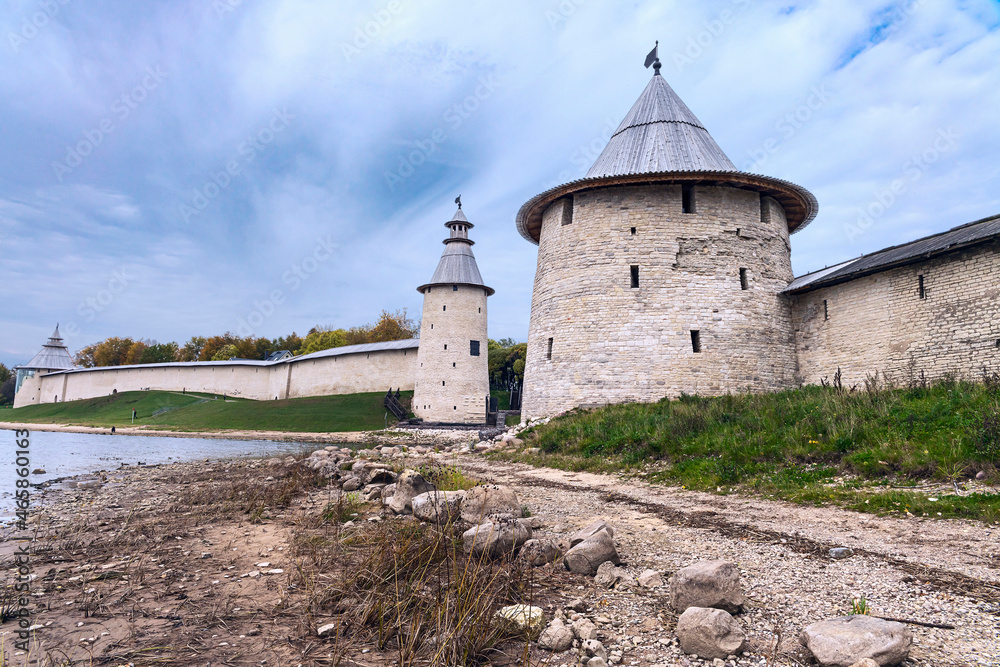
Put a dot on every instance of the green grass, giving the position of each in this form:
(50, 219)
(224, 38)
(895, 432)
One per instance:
(810, 445)
(503, 398)
(192, 412)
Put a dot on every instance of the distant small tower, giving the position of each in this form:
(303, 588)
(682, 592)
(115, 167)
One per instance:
(452, 380)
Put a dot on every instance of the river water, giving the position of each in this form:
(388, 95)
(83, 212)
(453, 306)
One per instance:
(68, 454)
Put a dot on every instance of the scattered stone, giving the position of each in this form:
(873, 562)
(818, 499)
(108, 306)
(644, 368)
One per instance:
(556, 638)
(89, 484)
(713, 583)
(590, 531)
(409, 484)
(487, 502)
(352, 484)
(608, 575)
(584, 629)
(388, 491)
(205, 555)
(578, 605)
(597, 662)
(841, 552)
(841, 642)
(981, 475)
(495, 539)
(650, 579)
(522, 618)
(38, 471)
(588, 555)
(865, 662)
(540, 552)
(709, 633)
(325, 630)
(377, 475)
(438, 506)
(374, 493)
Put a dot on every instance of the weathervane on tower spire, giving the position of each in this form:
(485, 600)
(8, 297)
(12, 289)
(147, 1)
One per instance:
(458, 200)
(654, 58)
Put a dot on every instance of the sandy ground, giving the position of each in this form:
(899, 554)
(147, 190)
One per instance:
(223, 591)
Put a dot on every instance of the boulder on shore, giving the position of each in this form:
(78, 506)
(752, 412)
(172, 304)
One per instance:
(556, 638)
(539, 552)
(712, 583)
(843, 641)
(438, 506)
(709, 633)
(409, 484)
(495, 540)
(483, 503)
(588, 555)
(590, 531)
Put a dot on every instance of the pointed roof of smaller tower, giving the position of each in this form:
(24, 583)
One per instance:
(660, 134)
(458, 265)
(54, 355)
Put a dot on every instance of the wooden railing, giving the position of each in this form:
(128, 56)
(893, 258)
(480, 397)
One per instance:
(392, 404)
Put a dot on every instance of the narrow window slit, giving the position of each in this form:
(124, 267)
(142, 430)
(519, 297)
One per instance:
(695, 341)
(826, 311)
(920, 284)
(634, 270)
(548, 353)
(743, 279)
(687, 199)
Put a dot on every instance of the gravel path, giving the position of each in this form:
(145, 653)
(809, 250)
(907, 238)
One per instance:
(944, 572)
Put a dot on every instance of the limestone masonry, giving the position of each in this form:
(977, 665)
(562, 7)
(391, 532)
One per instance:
(664, 271)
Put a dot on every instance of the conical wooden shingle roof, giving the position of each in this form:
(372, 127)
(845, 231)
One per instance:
(660, 134)
(54, 355)
(458, 265)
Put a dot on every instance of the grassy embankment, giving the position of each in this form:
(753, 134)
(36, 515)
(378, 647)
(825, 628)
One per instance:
(207, 412)
(884, 451)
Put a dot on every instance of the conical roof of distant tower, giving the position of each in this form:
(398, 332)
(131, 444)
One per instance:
(662, 141)
(457, 265)
(53, 356)
(660, 134)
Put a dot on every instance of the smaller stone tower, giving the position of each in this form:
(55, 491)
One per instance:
(452, 380)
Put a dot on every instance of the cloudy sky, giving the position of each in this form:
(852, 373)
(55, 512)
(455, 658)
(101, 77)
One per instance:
(171, 168)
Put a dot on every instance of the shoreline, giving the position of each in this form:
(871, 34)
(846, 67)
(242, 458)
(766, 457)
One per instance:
(382, 437)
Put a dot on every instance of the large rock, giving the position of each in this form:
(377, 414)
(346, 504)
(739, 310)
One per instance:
(588, 555)
(438, 506)
(709, 633)
(484, 503)
(590, 531)
(409, 484)
(539, 552)
(495, 539)
(841, 642)
(712, 583)
(556, 638)
(352, 484)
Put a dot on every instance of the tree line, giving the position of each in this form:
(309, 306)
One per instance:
(119, 351)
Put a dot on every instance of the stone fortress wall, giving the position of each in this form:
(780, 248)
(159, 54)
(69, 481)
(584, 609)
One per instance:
(338, 371)
(451, 383)
(717, 271)
(883, 323)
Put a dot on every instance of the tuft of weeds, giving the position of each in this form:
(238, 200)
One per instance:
(446, 477)
(346, 507)
(411, 591)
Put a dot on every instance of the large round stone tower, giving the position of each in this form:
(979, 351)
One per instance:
(452, 381)
(660, 272)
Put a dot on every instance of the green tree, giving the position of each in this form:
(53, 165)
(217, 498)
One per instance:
(7, 390)
(225, 353)
(506, 362)
(159, 353)
(192, 349)
(4, 373)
